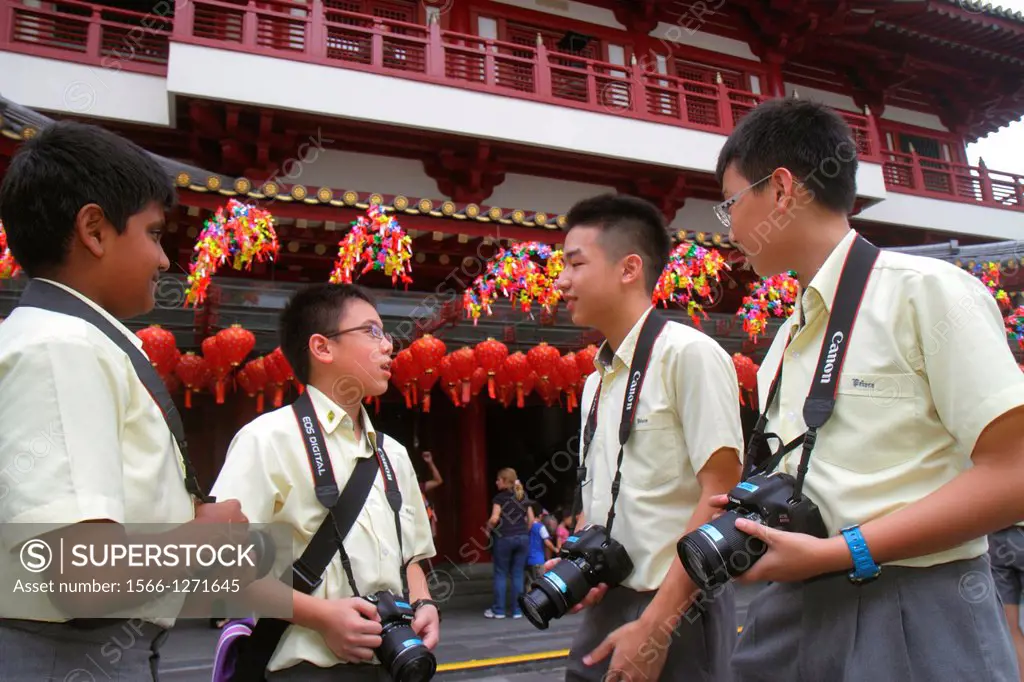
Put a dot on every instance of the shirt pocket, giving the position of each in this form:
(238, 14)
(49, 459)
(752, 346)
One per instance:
(875, 416)
(652, 451)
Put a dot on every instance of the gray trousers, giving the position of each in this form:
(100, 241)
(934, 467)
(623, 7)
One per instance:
(1006, 552)
(699, 647)
(944, 623)
(347, 672)
(122, 651)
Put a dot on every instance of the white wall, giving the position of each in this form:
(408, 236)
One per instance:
(570, 10)
(341, 170)
(66, 87)
(834, 100)
(946, 216)
(697, 216)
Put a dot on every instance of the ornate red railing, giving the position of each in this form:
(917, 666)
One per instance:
(319, 31)
(924, 176)
(89, 34)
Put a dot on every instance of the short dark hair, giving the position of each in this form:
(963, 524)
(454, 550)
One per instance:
(628, 224)
(63, 168)
(316, 309)
(809, 139)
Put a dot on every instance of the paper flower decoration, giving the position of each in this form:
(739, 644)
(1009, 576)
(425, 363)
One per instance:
(237, 234)
(515, 274)
(1015, 326)
(773, 296)
(988, 273)
(690, 271)
(378, 242)
(8, 266)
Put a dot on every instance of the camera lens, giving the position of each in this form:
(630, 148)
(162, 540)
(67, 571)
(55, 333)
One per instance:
(555, 592)
(717, 552)
(404, 656)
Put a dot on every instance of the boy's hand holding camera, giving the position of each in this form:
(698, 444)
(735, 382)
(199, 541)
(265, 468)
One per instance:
(351, 628)
(594, 596)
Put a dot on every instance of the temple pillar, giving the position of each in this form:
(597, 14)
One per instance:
(474, 485)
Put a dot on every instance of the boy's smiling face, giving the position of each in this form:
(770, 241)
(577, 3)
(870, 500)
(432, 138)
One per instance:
(133, 261)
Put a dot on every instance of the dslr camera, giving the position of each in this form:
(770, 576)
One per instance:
(717, 552)
(587, 558)
(401, 653)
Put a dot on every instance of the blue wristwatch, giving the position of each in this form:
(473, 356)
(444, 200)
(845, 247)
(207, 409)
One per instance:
(864, 567)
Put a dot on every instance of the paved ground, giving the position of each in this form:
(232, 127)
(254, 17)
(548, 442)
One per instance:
(466, 636)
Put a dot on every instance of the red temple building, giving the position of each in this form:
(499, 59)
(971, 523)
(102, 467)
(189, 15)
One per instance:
(477, 124)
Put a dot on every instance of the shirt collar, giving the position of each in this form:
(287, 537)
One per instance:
(331, 416)
(110, 318)
(826, 281)
(604, 361)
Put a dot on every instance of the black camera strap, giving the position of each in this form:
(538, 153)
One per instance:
(46, 296)
(649, 333)
(821, 399)
(342, 511)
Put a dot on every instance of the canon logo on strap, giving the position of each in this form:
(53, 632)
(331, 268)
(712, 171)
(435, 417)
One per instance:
(632, 389)
(830, 358)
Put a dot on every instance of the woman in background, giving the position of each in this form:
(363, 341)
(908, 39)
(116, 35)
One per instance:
(510, 523)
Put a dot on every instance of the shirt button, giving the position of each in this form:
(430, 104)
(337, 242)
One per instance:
(791, 416)
(796, 354)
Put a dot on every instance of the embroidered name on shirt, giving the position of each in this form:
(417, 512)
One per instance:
(860, 383)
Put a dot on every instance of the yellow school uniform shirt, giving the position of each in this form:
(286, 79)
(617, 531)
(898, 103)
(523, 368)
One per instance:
(927, 369)
(80, 436)
(688, 409)
(267, 470)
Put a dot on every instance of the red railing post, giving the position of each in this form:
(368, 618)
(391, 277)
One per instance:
(725, 121)
(6, 19)
(986, 182)
(542, 67)
(94, 34)
(436, 56)
(916, 172)
(874, 136)
(316, 30)
(250, 24)
(638, 100)
(377, 44)
(184, 18)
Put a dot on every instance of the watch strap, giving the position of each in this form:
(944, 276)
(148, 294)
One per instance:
(423, 602)
(864, 566)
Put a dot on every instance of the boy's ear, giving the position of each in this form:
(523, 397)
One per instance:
(92, 229)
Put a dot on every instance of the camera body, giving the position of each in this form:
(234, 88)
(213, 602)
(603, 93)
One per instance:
(401, 652)
(587, 558)
(717, 552)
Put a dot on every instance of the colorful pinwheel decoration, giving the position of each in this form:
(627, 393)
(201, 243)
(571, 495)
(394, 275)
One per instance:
(238, 234)
(689, 274)
(525, 274)
(378, 242)
(8, 266)
(773, 296)
(989, 274)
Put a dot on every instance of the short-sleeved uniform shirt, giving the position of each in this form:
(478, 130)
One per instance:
(688, 410)
(80, 436)
(927, 368)
(267, 470)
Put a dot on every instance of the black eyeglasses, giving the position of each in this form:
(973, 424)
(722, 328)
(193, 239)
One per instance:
(373, 330)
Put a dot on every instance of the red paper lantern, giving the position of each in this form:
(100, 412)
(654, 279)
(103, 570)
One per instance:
(478, 381)
(585, 361)
(194, 372)
(161, 349)
(452, 380)
(490, 355)
(464, 364)
(544, 360)
(519, 371)
(255, 380)
(504, 384)
(219, 363)
(236, 343)
(746, 374)
(279, 373)
(404, 371)
(427, 351)
(569, 371)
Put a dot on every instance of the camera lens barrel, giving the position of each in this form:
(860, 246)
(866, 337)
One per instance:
(554, 593)
(717, 552)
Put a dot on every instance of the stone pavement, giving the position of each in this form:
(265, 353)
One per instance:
(465, 636)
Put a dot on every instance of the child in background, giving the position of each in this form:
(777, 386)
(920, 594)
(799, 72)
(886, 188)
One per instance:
(540, 545)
